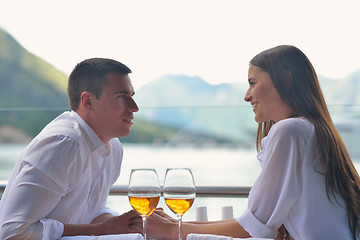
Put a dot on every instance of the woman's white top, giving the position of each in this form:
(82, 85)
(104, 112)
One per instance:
(63, 177)
(291, 190)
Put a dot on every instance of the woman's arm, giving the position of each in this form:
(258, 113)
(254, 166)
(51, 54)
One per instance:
(229, 228)
(162, 226)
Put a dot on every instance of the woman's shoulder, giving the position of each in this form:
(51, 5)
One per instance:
(290, 126)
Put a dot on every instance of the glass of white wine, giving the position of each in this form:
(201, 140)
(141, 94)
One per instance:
(144, 193)
(179, 192)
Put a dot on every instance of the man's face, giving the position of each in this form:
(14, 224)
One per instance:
(114, 111)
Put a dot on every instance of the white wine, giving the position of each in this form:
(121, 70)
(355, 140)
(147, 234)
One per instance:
(179, 205)
(145, 206)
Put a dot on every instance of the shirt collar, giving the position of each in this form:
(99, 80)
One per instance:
(93, 139)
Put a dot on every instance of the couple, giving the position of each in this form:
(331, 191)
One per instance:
(308, 187)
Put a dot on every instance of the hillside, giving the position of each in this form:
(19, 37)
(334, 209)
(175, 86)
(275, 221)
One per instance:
(21, 71)
(191, 104)
(343, 94)
(28, 82)
(33, 92)
(173, 108)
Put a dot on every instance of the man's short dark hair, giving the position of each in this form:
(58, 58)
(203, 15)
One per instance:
(90, 75)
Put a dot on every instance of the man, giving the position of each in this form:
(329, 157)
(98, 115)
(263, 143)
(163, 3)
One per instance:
(60, 183)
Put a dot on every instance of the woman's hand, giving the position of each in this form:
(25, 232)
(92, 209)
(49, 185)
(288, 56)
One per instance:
(161, 213)
(159, 225)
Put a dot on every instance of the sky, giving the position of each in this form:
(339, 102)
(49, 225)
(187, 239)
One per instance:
(212, 39)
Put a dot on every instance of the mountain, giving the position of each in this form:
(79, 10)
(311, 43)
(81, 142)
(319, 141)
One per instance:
(21, 71)
(173, 108)
(219, 111)
(192, 105)
(28, 82)
(343, 94)
(33, 93)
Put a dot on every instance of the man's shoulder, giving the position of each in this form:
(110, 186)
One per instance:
(115, 142)
(116, 145)
(63, 126)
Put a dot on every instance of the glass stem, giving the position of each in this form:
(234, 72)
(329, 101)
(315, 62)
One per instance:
(144, 226)
(179, 217)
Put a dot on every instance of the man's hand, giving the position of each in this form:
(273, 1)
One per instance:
(119, 224)
(104, 225)
(102, 218)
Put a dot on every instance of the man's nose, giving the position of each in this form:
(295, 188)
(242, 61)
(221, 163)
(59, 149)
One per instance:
(133, 106)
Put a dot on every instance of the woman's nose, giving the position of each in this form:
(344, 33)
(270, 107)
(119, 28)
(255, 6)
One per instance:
(247, 97)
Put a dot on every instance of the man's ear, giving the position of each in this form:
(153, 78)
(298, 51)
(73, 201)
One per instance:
(86, 100)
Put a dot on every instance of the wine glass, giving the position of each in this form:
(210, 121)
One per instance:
(144, 193)
(179, 192)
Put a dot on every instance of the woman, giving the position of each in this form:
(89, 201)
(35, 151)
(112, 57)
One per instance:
(308, 187)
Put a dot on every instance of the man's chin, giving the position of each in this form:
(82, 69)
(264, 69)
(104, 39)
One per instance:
(124, 133)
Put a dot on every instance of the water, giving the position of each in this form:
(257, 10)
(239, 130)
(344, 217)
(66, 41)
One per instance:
(211, 166)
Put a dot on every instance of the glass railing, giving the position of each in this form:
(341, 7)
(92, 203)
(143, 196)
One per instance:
(216, 142)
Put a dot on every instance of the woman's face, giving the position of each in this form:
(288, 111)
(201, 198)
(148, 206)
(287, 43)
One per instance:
(264, 98)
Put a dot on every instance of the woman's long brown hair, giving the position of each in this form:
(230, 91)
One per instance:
(296, 81)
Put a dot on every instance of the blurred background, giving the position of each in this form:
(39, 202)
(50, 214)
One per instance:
(189, 61)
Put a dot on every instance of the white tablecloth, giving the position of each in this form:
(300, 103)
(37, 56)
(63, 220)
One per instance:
(132, 236)
(194, 236)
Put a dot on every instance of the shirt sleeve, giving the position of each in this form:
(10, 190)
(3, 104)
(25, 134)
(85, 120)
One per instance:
(27, 206)
(279, 183)
(36, 191)
(104, 210)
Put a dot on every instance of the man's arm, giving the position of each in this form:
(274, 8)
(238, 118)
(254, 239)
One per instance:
(102, 225)
(29, 202)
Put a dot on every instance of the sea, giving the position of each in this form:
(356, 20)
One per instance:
(211, 166)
